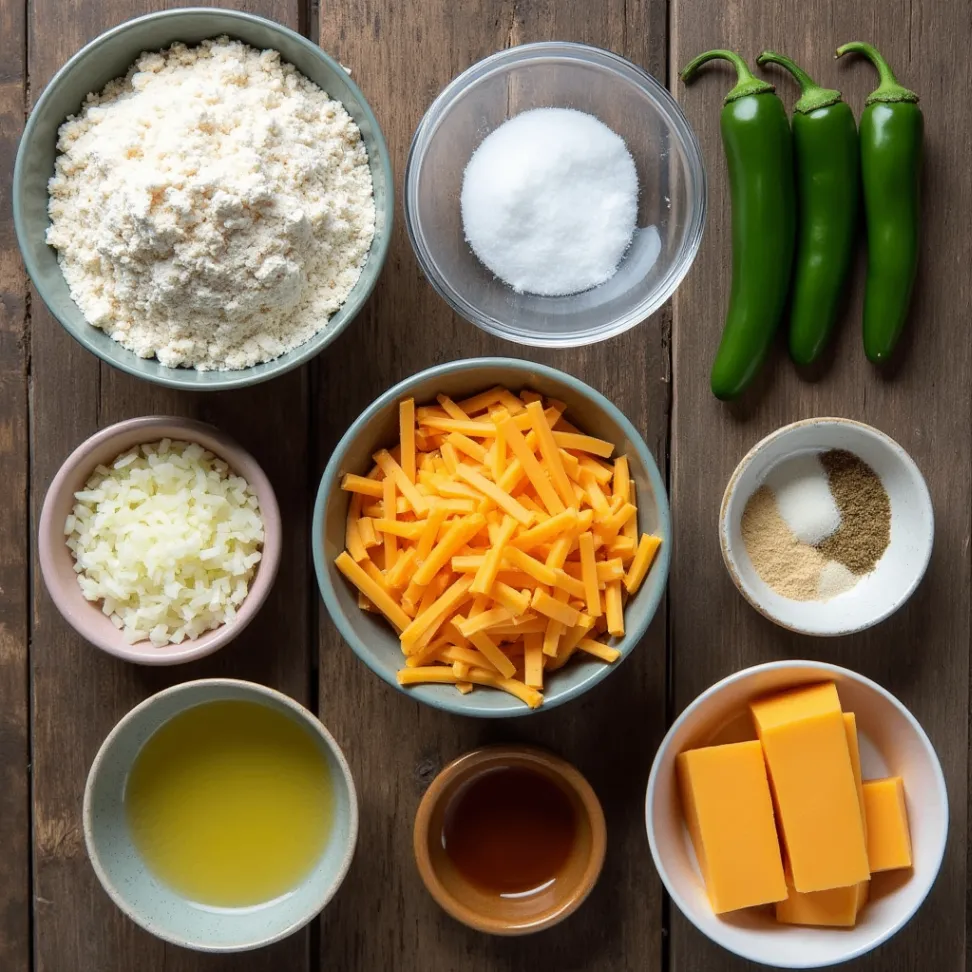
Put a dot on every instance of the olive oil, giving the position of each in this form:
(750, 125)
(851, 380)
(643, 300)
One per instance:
(510, 832)
(230, 803)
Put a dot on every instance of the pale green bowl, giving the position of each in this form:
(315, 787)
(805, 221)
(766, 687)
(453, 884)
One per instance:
(152, 904)
(371, 637)
(110, 56)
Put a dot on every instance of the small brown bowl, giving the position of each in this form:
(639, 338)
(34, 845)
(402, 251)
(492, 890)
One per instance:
(513, 915)
(57, 563)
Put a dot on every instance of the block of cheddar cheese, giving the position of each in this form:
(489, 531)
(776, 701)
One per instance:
(854, 750)
(837, 907)
(727, 805)
(853, 746)
(888, 840)
(805, 743)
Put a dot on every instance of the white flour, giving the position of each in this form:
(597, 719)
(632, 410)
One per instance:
(213, 208)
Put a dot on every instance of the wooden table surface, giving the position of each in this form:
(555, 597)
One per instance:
(59, 697)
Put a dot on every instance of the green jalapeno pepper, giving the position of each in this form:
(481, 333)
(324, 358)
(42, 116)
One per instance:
(891, 134)
(827, 160)
(759, 153)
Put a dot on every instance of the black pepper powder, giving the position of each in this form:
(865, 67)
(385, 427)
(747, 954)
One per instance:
(865, 510)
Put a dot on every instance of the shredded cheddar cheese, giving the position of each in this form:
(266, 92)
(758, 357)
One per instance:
(498, 539)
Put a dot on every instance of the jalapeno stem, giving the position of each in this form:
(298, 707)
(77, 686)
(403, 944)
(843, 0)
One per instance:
(812, 95)
(746, 83)
(888, 89)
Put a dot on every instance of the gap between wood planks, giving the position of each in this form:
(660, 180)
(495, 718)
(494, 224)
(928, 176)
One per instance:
(308, 24)
(668, 342)
(28, 529)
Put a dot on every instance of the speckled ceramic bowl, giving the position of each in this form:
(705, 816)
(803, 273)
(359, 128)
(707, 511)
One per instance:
(57, 562)
(371, 637)
(894, 578)
(152, 904)
(109, 56)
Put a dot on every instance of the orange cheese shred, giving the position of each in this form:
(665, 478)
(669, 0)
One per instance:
(498, 539)
(406, 435)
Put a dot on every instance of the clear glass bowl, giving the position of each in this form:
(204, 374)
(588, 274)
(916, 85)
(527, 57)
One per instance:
(671, 179)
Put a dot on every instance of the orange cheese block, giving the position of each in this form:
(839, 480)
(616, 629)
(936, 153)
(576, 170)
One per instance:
(805, 743)
(850, 727)
(865, 889)
(888, 840)
(836, 907)
(853, 747)
(729, 812)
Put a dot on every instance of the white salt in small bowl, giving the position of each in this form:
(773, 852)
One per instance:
(876, 595)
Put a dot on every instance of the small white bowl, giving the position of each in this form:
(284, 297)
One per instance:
(878, 594)
(892, 744)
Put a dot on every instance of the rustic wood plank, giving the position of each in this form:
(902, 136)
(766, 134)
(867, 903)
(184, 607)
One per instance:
(78, 692)
(14, 547)
(922, 654)
(402, 55)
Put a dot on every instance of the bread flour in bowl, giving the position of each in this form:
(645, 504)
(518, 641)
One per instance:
(203, 198)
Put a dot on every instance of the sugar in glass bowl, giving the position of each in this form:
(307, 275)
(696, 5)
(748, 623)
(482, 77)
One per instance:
(671, 180)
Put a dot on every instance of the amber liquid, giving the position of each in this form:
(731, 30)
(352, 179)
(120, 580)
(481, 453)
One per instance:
(510, 832)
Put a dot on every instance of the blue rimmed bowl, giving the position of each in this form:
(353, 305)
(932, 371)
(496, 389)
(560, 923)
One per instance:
(109, 56)
(371, 637)
(157, 907)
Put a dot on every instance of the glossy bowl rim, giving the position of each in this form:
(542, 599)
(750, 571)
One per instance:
(465, 704)
(263, 580)
(665, 104)
(868, 431)
(258, 691)
(478, 762)
(849, 675)
(215, 380)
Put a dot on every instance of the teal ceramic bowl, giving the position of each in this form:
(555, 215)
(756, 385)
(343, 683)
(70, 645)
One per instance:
(371, 637)
(152, 904)
(110, 56)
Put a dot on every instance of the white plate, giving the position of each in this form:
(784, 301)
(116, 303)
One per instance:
(879, 593)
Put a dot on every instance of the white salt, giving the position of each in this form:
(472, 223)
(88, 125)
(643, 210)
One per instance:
(549, 201)
(835, 579)
(804, 499)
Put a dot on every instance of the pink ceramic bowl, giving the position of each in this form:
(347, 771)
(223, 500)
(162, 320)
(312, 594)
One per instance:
(57, 562)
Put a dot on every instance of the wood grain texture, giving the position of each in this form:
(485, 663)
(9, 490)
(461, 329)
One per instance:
(922, 653)
(79, 693)
(14, 547)
(402, 55)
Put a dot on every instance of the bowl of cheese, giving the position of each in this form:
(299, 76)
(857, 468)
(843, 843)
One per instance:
(492, 536)
(797, 814)
(203, 198)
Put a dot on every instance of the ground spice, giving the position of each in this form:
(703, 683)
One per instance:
(865, 528)
(792, 568)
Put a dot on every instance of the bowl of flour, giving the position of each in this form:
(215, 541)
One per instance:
(203, 198)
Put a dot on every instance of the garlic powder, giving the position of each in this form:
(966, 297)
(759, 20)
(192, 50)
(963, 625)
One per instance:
(213, 208)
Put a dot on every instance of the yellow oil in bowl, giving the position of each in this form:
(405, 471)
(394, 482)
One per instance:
(230, 803)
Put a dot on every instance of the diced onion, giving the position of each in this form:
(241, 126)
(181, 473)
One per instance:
(168, 539)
